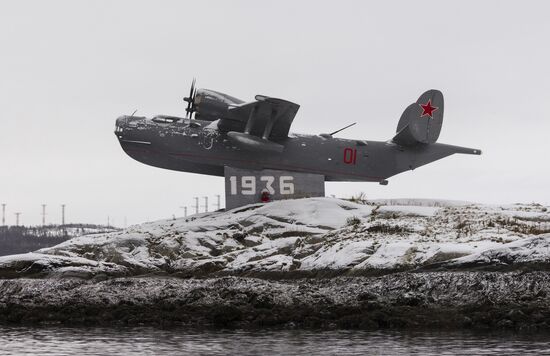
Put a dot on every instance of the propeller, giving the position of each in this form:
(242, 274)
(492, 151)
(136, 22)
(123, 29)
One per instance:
(191, 108)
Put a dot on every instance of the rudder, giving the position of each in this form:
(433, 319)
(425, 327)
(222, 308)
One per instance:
(421, 122)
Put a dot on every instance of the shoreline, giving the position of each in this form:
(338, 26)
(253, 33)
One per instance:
(428, 300)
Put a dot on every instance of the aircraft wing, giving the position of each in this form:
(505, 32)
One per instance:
(266, 118)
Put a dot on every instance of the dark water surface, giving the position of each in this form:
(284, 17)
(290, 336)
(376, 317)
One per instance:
(151, 341)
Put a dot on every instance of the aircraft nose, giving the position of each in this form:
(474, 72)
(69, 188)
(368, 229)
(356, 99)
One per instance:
(120, 123)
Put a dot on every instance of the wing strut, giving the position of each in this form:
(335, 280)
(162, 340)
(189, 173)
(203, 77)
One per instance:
(269, 126)
(250, 122)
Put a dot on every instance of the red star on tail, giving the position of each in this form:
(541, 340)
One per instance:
(428, 109)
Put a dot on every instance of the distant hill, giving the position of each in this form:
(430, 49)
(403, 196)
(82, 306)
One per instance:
(22, 239)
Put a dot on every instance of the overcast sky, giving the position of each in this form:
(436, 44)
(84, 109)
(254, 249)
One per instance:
(69, 68)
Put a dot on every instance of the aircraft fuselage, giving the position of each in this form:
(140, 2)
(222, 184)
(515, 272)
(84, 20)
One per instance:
(199, 147)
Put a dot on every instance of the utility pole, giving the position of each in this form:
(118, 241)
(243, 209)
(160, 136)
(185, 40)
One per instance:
(184, 211)
(196, 205)
(205, 204)
(63, 214)
(63, 219)
(218, 205)
(17, 218)
(108, 221)
(43, 215)
(3, 214)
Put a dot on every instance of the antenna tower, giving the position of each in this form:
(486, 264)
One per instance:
(43, 214)
(205, 204)
(62, 214)
(196, 205)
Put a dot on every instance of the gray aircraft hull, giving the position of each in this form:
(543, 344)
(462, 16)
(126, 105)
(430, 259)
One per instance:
(199, 147)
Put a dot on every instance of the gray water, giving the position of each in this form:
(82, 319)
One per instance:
(151, 341)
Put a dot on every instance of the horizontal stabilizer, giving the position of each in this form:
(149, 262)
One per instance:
(419, 155)
(466, 150)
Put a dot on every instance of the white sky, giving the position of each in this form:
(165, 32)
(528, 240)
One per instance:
(69, 68)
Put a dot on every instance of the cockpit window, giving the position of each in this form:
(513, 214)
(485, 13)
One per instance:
(163, 119)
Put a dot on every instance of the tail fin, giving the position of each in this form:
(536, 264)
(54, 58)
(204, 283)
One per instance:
(421, 122)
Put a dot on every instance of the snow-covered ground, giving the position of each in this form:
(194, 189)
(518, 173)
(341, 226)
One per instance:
(306, 235)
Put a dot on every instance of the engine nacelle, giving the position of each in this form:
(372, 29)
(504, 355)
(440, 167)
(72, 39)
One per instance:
(211, 105)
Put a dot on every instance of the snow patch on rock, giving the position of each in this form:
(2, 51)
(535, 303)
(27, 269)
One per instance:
(305, 235)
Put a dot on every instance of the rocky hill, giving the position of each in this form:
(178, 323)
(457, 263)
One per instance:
(315, 237)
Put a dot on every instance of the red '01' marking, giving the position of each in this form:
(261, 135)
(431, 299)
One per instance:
(350, 155)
